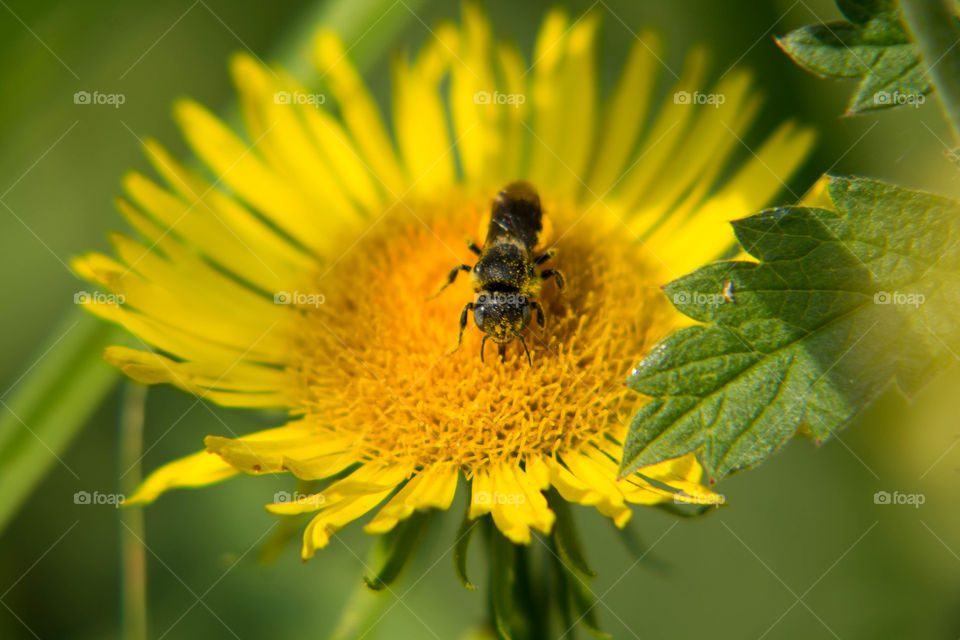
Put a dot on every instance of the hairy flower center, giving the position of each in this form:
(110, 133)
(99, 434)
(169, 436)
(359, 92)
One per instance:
(377, 358)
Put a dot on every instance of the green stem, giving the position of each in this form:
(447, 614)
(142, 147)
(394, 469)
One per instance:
(530, 595)
(360, 613)
(44, 410)
(936, 32)
(133, 592)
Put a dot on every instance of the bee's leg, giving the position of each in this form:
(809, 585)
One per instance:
(473, 247)
(546, 256)
(525, 350)
(463, 324)
(561, 283)
(450, 278)
(540, 315)
(483, 343)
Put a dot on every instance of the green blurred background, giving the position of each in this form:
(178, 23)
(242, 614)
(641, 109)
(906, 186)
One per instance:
(803, 552)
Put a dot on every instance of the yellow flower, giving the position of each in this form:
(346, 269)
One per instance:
(298, 278)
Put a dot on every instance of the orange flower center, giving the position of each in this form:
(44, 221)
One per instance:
(377, 353)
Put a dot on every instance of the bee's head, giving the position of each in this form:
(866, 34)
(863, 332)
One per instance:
(501, 315)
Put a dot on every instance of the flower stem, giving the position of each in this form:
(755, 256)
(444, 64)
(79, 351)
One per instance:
(936, 32)
(134, 569)
(360, 614)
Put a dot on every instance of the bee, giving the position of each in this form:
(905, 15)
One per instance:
(505, 280)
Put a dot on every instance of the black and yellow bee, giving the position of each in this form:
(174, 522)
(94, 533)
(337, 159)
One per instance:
(504, 278)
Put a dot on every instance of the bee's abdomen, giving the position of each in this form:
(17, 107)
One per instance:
(517, 215)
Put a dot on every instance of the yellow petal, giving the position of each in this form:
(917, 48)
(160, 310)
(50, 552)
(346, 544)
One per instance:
(518, 505)
(332, 519)
(472, 91)
(481, 497)
(626, 112)
(359, 112)
(421, 123)
(668, 134)
(237, 164)
(283, 139)
(153, 368)
(196, 470)
(264, 451)
(430, 488)
(278, 255)
(546, 98)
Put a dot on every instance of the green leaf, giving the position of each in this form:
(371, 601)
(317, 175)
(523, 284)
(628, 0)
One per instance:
(584, 606)
(572, 574)
(460, 548)
(565, 536)
(841, 304)
(634, 544)
(400, 546)
(872, 46)
(578, 606)
(47, 407)
(503, 585)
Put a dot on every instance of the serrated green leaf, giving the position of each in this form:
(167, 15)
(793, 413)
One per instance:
(841, 304)
(873, 46)
(861, 11)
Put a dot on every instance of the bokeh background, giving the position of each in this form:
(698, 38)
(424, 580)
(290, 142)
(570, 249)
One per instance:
(802, 552)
